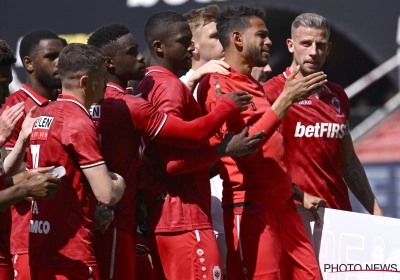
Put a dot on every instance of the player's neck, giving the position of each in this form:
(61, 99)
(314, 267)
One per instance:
(116, 80)
(38, 88)
(293, 68)
(156, 61)
(238, 63)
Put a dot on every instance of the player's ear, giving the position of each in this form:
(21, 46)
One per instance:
(83, 82)
(328, 48)
(289, 43)
(237, 39)
(28, 64)
(158, 46)
(110, 62)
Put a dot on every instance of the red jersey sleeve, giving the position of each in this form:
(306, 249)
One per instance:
(85, 146)
(179, 161)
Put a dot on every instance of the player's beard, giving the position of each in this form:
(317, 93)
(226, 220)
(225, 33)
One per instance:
(255, 55)
(47, 80)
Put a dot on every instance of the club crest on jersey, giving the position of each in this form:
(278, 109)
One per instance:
(216, 273)
(41, 128)
(336, 104)
(95, 111)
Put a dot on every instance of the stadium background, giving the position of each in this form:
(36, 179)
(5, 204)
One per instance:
(363, 36)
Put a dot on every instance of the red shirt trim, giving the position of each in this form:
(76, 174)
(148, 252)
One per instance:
(70, 98)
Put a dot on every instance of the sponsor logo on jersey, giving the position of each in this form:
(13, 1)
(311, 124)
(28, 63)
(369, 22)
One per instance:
(95, 111)
(305, 102)
(38, 226)
(327, 130)
(336, 104)
(41, 128)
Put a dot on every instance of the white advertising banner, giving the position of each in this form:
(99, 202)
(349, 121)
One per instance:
(354, 246)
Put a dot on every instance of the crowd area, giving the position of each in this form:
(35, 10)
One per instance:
(195, 177)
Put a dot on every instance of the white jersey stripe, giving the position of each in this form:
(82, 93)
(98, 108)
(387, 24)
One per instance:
(161, 126)
(114, 245)
(92, 165)
(77, 103)
(31, 96)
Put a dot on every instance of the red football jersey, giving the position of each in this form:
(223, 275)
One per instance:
(5, 223)
(21, 211)
(261, 178)
(186, 204)
(121, 119)
(313, 130)
(62, 228)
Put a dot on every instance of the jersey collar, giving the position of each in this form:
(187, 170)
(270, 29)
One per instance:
(159, 69)
(116, 86)
(70, 98)
(40, 100)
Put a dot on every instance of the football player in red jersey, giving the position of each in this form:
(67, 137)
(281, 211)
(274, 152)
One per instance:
(61, 237)
(39, 50)
(22, 185)
(124, 119)
(181, 209)
(265, 236)
(320, 150)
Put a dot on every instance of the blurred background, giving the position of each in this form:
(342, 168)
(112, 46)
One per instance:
(364, 59)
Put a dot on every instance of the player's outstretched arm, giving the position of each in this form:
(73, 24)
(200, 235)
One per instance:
(31, 184)
(356, 179)
(13, 161)
(193, 134)
(179, 161)
(107, 187)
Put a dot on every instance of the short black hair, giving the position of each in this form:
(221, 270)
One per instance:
(159, 23)
(79, 58)
(235, 18)
(7, 57)
(107, 34)
(32, 39)
(63, 42)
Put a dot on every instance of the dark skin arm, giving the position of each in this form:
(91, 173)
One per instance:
(32, 183)
(310, 203)
(356, 179)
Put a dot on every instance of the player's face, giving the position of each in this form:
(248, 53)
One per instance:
(5, 80)
(129, 62)
(309, 47)
(178, 46)
(207, 43)
(257, 43)
(96, 83)
(45, 61)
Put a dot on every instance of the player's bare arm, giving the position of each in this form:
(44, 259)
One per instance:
(212, 66)
(356, 179)
(309, 202)
(13, 161)
(296, 90)
(33, 184)
(107, 187)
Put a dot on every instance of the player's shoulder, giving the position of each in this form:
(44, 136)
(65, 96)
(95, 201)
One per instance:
(337, 89)
(18, 96)
(273, 87)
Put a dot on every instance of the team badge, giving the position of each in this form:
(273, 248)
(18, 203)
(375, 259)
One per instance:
(336, 104)
(216, 273)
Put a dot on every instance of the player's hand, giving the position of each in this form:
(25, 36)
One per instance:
(8, 120)
(301, 88)
(43, 186)
(240, 144)
(312, 203)
(104, 216)
(28, 123)
(241, 98)
(212, 66)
